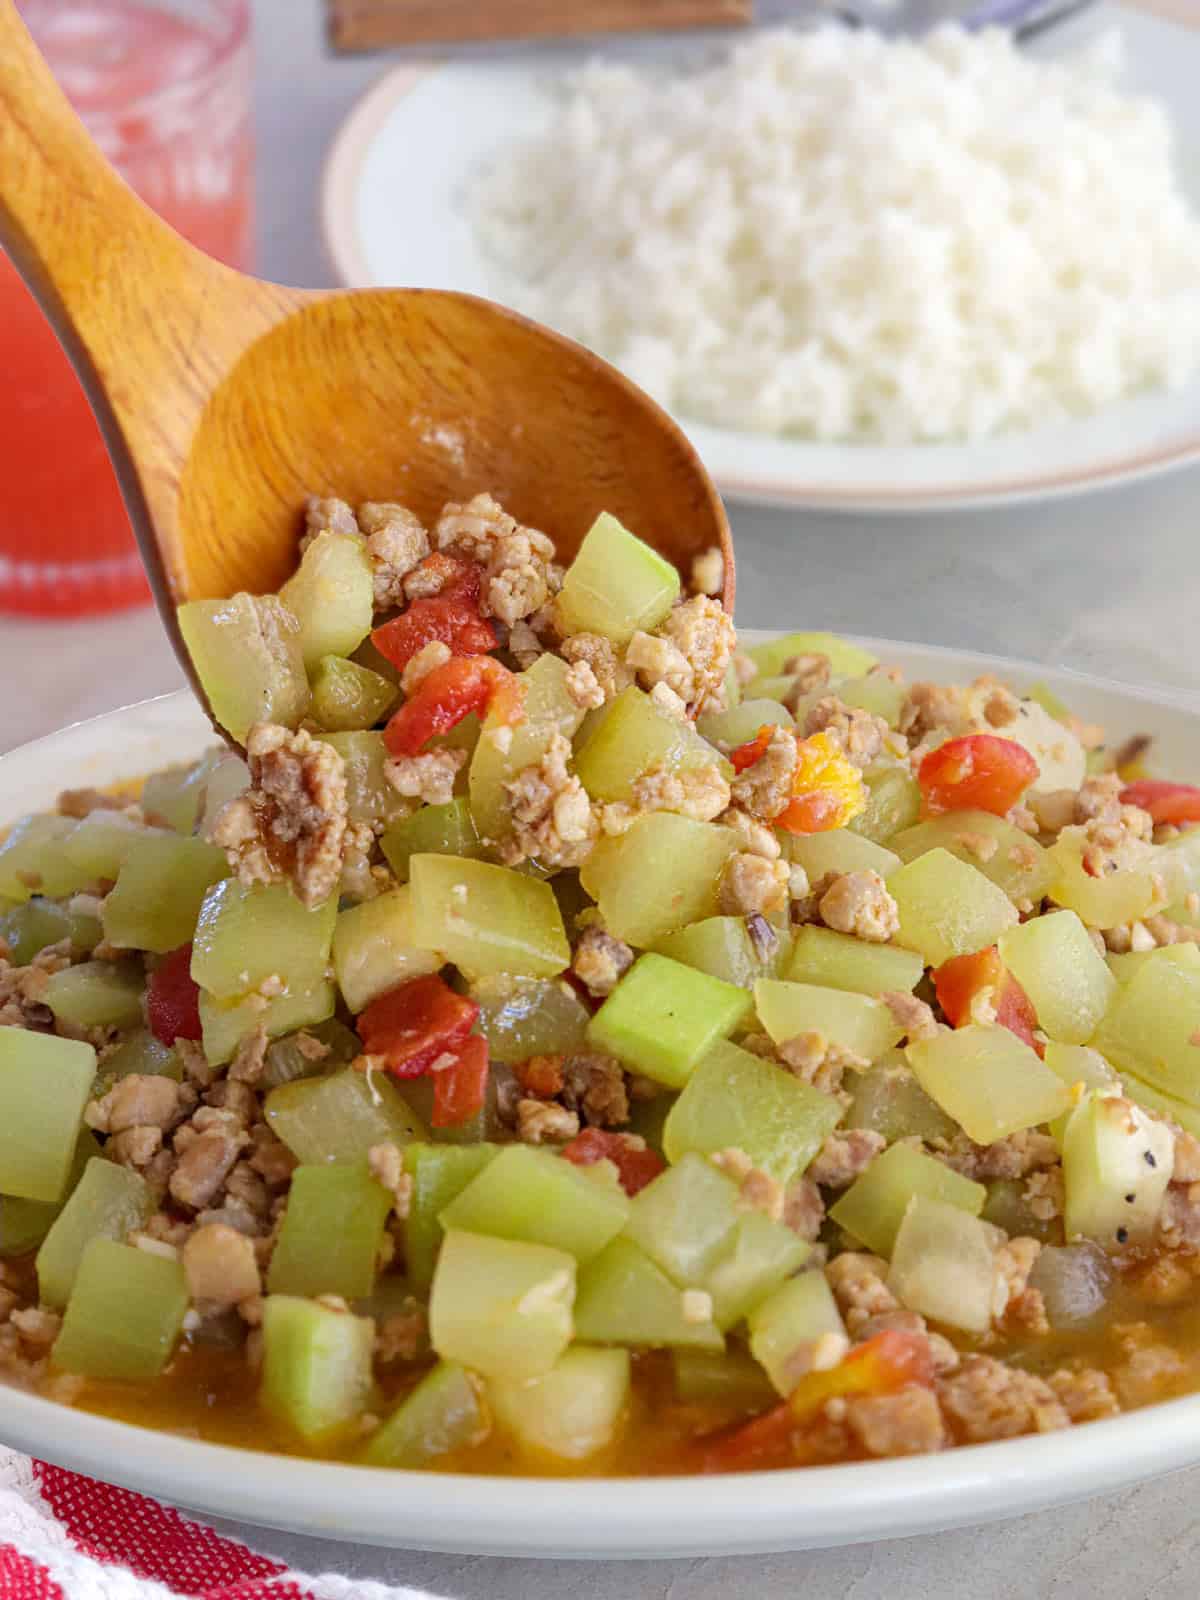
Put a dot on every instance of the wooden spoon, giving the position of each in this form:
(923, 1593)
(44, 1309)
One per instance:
(225, 400)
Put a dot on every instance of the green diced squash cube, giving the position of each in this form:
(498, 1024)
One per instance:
(662, 1018)
(856, 1022)
(1017, 864)
(33, 859)
(175, 795)
(28, 928)
(890, 1101)
(1149, 1026)
(500, 755)
(97, 994)
(630, 737)
(1117, 1163)
(988, 1080)
(793, 1318)
(439, 1173)
(226, 1023)
(877, 693)
(331, 596)
(45, 1082)
(1162, 1105)
(728, 1381)
(873, 1207)
(760, 1256)
(374, 948)
(125, 1313)
(332, 1232)
(893, 802)
(573, 1411)
(839, 850)
(369, 795)
(533, 1195)
(839, 961)
(446, 830)
(1125, 965)
(1077, 1063)
(339, 1117)
(24, 1224)
(624, 1298)
(1062, 972)
(101, 842)
(846, 660)
(159, 892)
(523, 1017)
(106, 1203)
(347, 697)
(947, 908)
(736, 1100)
(616, 585)
(685, 1220)
(442, 1414)
(944, 1265)
(316, 1371)
(247, 654)
(1133, 891)
(501, 1306)
(248, 934)
(722, 947)
(659, 876)
(229, 777)
(726, 730)
(486, 918)
(289, 1059)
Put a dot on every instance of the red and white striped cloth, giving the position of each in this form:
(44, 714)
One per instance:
(66, 1537)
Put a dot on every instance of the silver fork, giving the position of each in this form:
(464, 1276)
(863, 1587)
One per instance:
(1026, 18)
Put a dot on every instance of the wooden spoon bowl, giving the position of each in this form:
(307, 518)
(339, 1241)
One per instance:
(226, 400)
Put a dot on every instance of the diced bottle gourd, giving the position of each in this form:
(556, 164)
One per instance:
(728, 729)
(1062, 972)
(175, 795)
(443, 1413)
(890, 1101)
(616, 585)
(1004, 854)
(100, 844)
(374, 948)
(501, 1306)
(1149, 1026)
(685, 1220)
(1125, 895)
(247, 654)
(288, 1059)
(1162, 1105)
(722, 947)
(229, 777)
(246, 935)
(846, 660)
(624, 1298)
(106, 1203)
(1007, 1208)
(339, 1117)
(439, 1173)
(346, 697)
(988, 1080)
(125, 1313)
(873, 1207)
(500, 755)
(760, 1256)
(523, 1017)
(332, 1232)
(139, 1051)
(226, 1023)
(631, 737)
(369, 795)
(737, 1100)
(944, 1264)
(839, 961)
(159, 892)
(948, 908)
(893, 803)
(331, 596)
(574, 1411)
(316, 1370)
(839, 850)
(874, 692)
(659, 876)
(446, 830)
(486, 918)
(663, 1018)
(33, 860)
(795, 1316)
(729, 1381)
(97, 994)
(857, 1022)
(28, 928)
(530, 1194)
(1117, 1163)
(1124, 966)
(24, 1224)
(45, 1082)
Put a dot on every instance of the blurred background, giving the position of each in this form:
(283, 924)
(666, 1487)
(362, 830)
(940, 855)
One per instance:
(1104, 582)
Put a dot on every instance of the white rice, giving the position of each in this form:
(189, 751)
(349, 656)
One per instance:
(834, 236)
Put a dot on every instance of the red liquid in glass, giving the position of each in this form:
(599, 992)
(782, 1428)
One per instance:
(66, 546)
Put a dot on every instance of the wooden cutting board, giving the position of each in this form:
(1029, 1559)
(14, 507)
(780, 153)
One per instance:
(373, 24)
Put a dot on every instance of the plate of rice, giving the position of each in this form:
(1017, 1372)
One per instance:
(862, 274)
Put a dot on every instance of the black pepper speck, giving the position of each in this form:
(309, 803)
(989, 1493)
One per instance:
(1122, 1235)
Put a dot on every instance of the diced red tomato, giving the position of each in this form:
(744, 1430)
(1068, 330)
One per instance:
(1166, 802)
(979, 772)
(414, 1023)
(957, 982)
(459, 1091)
(452, 620)
(450, 693)
(458, 577)
(173, 998)
(818, 812)
(886, 1362)
(747, 754)
(635, 1168)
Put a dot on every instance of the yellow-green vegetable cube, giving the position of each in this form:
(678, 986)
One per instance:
(125, 1313)
(332, 1232)
(1148, 1029)
(347, 697)
(616, 585)
(500, 1306)
(856, 1022)
(890, 1101)
(339, 1118)
(227, 1022)
(375, 948)
(728, 729)
(33, 859)
(1132, 891)
(45, 1082)
(1117, 1163)
(247, 654)
(846, 660)
(662, 1018)
(686, 1219)
(500, 755)
(316, 1371)
(486, 918)
(893, 802)
(97, 994)
(761, 1254)
(944, 1264)
(659, 876)
(630, 737)
(1062, 972)
(947, 908)
(1163, 1105)
(839, 961)
(369, 795)
(446, 830)
(536, 1196)
(839, 850)
(443, 1413)
(24, 1224)
(439, 1173)
(723, 947)
(1004, 854)
(100, 843)
(106, 1203)
(624, 1298)
(573, 1411)
(159, 892)
(873, 1207)
(246, 935)
(523, 1017)
(988, 1080)
(331, 596)
(794, 1317)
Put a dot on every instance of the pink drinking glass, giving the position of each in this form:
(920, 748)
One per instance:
(165, 89)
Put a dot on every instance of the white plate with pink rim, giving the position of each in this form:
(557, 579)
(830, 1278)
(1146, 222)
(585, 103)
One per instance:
(602, 1518)
(393, 214)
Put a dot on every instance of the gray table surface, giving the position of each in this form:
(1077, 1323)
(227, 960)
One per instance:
(1107, 583)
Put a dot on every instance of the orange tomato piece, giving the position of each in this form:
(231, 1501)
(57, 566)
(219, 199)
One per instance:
(978, 772)
(416, 1022)
(450, 693)
(1166, 802)
(957, 983)
(451, 619)
(635, 1168)
(459, 1091)
(827, 789)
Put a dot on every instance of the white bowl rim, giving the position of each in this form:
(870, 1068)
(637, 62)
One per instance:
(619, 1517)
